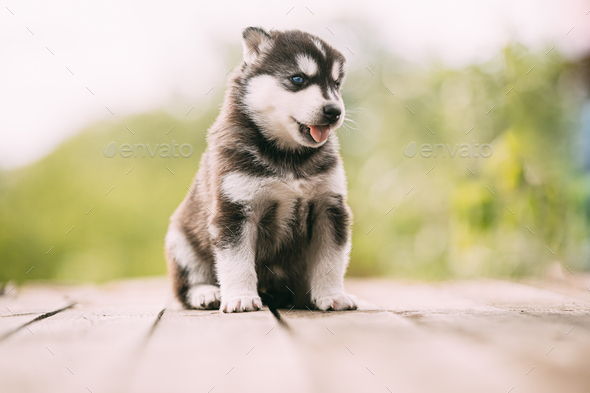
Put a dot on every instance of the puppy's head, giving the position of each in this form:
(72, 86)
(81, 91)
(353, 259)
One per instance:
(292, 85)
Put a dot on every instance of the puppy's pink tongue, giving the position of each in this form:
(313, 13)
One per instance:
(319, 133)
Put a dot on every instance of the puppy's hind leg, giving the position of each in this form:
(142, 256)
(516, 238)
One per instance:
(193, 278)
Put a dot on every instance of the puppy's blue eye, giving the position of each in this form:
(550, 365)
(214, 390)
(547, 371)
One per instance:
(297, 79)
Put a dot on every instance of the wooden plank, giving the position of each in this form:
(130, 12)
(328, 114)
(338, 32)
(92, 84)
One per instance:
(515, 296)
(77, 348)
(482, 335)
(408, 297)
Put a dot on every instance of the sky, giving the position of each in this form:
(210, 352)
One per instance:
(67, 64)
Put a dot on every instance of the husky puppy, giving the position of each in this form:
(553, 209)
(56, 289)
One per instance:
(267, 214)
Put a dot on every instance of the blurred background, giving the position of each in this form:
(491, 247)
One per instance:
(76, 77)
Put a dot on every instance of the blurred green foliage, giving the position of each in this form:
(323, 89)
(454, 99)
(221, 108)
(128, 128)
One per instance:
(415, 217)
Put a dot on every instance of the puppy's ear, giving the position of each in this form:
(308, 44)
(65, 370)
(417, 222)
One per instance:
(255, 41)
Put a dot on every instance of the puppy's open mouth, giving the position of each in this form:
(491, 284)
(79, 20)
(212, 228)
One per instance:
(319, 132)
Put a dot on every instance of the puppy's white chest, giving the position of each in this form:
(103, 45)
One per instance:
(252, 190)
(297, 188)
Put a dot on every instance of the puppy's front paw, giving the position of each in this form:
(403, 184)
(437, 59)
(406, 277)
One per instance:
(337, 302)
(204, 297)
(241, 303)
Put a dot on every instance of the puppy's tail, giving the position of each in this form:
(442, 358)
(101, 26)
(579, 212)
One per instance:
(273, 305)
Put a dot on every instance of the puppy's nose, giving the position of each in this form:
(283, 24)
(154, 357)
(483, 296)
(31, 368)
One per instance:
(332, 112)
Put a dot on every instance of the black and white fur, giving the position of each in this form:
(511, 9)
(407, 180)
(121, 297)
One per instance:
(267, 212)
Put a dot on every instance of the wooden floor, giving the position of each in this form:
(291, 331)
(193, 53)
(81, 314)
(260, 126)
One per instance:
(460, 336)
